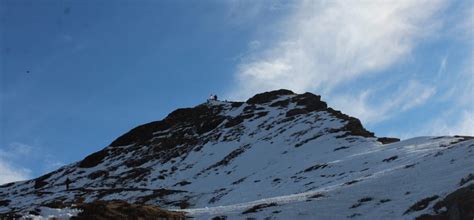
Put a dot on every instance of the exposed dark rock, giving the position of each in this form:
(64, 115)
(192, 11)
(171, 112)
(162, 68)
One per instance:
(34, 212)
(93, 159)
(466, 179)
(55, 205)
(7, 185)
(459, 205)
(296, 111)
(202, 118)
(251, 108)
(282, 103)
(315, 167)
(315, 196)
(354, 215)
(230, 157)
(137, 162)
(236, 104)
(310, 101)
(353, 126)
(97, 174)
(340, 148)
(268, 96)
(239, 181)
(361, 201)
(41, 181)
(136, 174)
(387, 140)
(140, 133)
(5, 202)
(301, 143)
(261, 114)
(259, 207)
(183, 204)
(182, 183)
(237, 120)
(351, 182)
(464, 137)
(422, 204)
(220, 193)
(392, 158)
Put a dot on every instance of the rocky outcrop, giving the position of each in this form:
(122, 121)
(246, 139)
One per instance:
(388, 140)
(457, 205)
(268, 96)
(199, 120)
(116, 209)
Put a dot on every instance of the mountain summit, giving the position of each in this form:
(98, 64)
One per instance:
(279, 155)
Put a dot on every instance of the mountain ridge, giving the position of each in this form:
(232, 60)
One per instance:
(276, 147)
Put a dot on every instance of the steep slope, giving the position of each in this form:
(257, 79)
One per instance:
(278, 154)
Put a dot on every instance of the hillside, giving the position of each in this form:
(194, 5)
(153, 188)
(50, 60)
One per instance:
(279, 155)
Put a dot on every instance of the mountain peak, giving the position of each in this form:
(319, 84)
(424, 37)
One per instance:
(276, 147)
(206, 117)
(268, 96)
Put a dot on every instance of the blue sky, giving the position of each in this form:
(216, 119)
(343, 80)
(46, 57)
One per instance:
(77, 74)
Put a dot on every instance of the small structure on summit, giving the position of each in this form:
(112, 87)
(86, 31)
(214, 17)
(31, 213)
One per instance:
(212, 98)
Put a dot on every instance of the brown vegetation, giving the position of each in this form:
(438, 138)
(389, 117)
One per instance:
(102, 210)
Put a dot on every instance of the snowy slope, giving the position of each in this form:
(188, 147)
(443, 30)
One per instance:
(424, 167)
(286, 151)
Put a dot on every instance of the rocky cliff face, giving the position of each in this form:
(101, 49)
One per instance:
(279, 155)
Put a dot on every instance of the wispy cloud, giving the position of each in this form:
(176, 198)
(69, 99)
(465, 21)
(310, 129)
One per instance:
(442, 67)
(15, 156)
(328, 46)
(447, 124)
(459, 118)
(8, 173)
(408, 95)
(325, 43)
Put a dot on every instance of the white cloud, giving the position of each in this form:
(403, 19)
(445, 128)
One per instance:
(406, 97)
(459, 119)
(16, 151)
(16, 155)
(325, 46)
(442, 67)
(462, 125)
(464, 22)
(8, 173)
(330, 42)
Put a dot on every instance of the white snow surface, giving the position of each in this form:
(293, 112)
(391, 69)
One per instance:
(50, 213)
(304, 166)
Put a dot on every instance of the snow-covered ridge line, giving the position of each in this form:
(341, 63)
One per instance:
(279, 154)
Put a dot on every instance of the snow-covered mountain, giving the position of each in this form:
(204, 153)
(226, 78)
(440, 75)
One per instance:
(279, 155)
